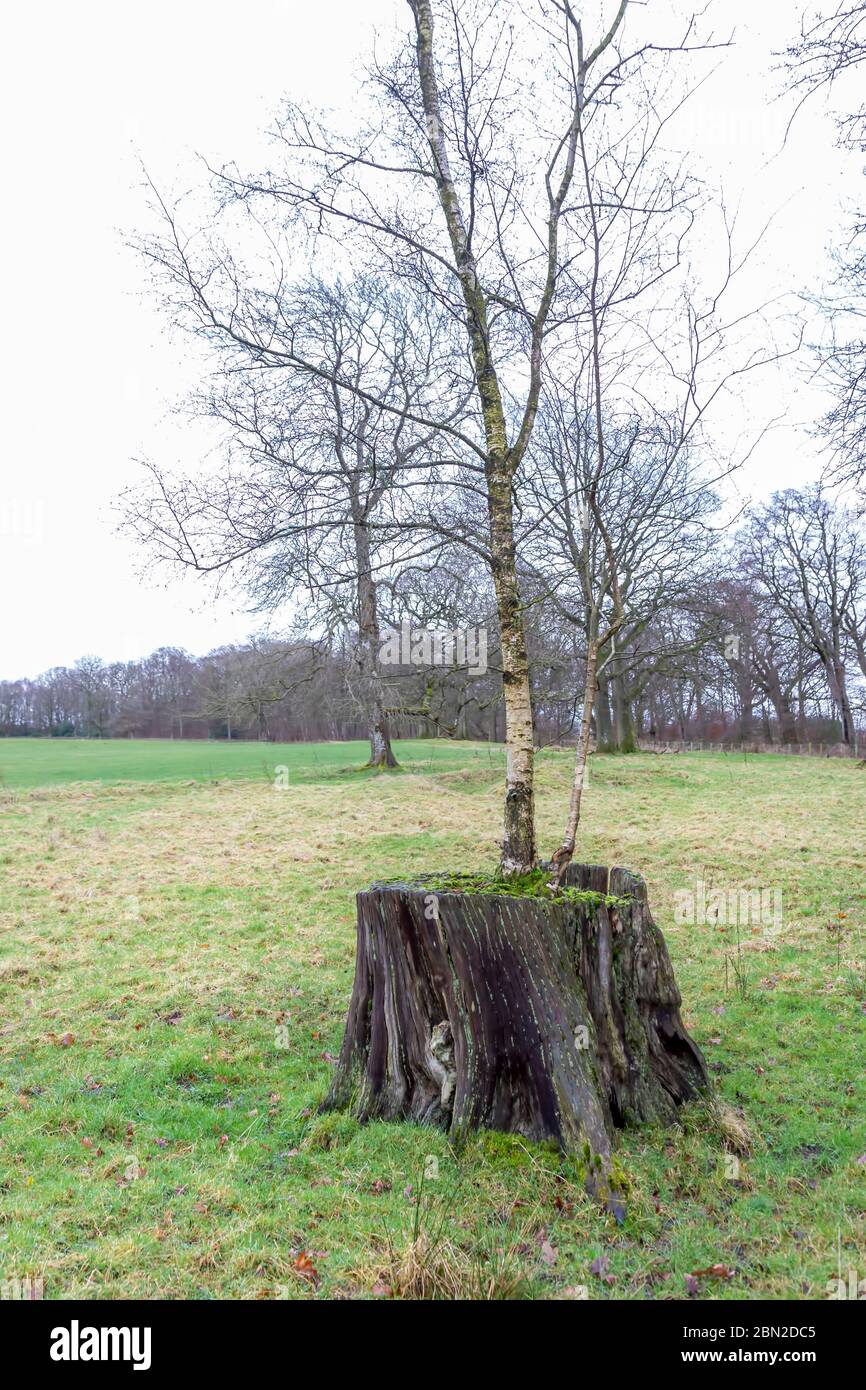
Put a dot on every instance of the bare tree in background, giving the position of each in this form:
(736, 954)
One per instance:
(830, 50)
(810, 560)
(624, 473)
(624, 536)
(310, 500)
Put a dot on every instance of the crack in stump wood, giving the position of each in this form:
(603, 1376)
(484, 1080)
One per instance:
(549, 1018)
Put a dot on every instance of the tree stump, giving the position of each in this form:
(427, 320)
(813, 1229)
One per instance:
(557, 1019)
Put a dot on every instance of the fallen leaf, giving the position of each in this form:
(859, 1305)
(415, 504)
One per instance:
(304, 1267)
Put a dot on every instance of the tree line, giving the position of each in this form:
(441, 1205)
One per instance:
(760, 638)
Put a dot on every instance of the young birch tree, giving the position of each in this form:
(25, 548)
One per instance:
(622, 483)
(462, 181)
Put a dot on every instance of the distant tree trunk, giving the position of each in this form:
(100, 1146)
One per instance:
(802, 721)
(745, 693)
(839, 690)
(782, 706)
(372, 694)
(603, 721)
(654, 717)
(765, 723)
(624, 731)
(262, 722)
(553, 1019)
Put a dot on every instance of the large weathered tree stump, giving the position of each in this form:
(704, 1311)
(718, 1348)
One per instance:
(552, 1018)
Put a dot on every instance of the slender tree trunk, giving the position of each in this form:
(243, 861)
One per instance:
(565, 853)
(745, 692)
(381, 753)
(518, 844)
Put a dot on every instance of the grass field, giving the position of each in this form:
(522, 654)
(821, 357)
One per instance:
(176, 955)
(35, 762)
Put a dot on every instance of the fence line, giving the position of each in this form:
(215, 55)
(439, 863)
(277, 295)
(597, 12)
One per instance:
(803, 750)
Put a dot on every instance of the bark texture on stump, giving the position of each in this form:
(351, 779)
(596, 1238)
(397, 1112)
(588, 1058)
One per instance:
(550, 1018)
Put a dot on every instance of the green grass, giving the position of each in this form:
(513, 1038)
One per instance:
(176, 958)
(35, 762)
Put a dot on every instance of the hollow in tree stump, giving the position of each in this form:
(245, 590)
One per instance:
(551, 1018)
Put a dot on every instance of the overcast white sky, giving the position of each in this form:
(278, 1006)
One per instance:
(89, 374)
